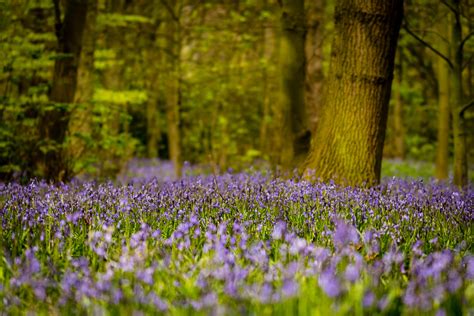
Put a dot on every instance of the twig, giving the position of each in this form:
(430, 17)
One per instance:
(468, 61)
(170, 10)
(450, 7)
(434, 50)
(465, 108)
(465, 40)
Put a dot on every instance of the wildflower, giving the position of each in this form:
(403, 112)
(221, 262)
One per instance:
(330, 283)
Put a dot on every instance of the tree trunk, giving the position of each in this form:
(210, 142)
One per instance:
(154, 58)
(172, 92)
(314, 61)
(152, 128)
(349, 143)
(294, 138)
(80, 124)
(268, 53)
(399, 129)
(54, 122)
(442, 148)
(459, 130)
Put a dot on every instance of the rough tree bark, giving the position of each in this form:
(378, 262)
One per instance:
(54, 122)
(349, 143)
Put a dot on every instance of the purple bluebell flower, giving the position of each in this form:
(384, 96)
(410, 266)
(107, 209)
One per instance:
(330, 283)
(289, 288)
(369, 299)
(279, 230)
(345, 234)
(352, 272)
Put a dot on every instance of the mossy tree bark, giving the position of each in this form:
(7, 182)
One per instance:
(54, 122)
(293, 141)
(349, 143)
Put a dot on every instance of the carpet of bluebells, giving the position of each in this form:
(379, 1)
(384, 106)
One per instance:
(244, 243)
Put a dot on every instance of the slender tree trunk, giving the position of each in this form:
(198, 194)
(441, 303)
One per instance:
(398, 112)
(112, 160)
(80, 124)
(294, 138)
(54, 123)
(349, 143)
(172, 94)
(314, 61)
(268, 53)
(444, 111)
(459, 130)
(152, 128)
(153, 89)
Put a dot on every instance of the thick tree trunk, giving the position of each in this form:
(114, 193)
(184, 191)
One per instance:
(459, 130)
(314, 61)
(294, 138)
(349, 143)
(444, 112)
(54, 123)
(172, 94)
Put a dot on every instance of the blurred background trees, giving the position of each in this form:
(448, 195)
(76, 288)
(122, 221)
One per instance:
(223, 83)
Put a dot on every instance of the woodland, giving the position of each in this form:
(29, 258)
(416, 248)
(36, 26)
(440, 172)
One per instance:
(236, 157)
(85, 87)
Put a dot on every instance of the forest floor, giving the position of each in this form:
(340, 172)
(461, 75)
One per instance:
(238, 243)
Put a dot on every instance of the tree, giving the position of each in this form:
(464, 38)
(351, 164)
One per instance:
(268, 51)
(55, 121)
(457, 106)
(172, 85)
(442, 147)
(455, 62)
(398, 128)
(80, 121)
(294, 132)
(315, 12)
(349, 143)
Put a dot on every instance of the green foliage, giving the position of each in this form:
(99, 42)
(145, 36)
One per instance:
(228, 82)
(117, 20)
(420, 148)
(120, 97)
